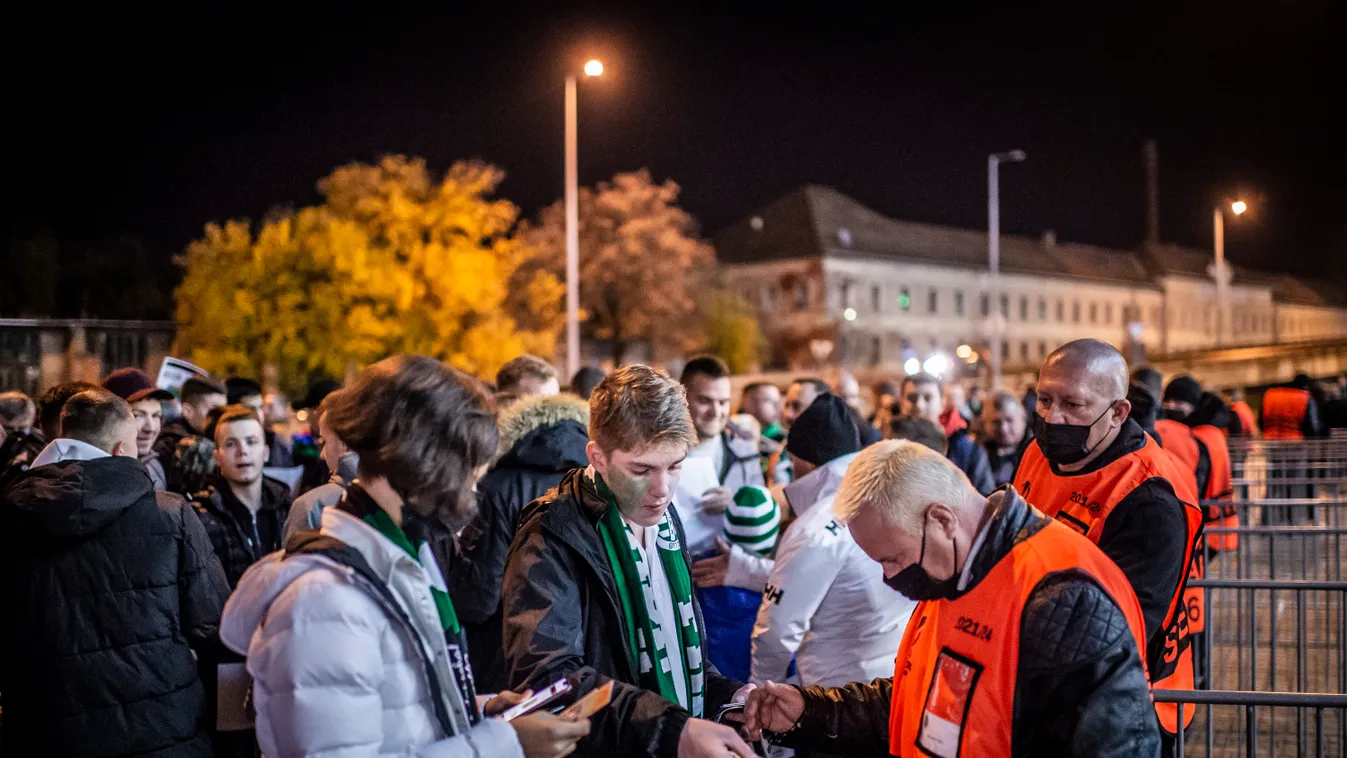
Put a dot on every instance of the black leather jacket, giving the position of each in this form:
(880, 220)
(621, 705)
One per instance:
(1080, 691)
(562, 618)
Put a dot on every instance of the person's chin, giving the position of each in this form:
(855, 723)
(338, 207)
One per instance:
(651, 515)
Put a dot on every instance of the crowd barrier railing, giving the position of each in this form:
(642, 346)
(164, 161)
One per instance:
(1314, 726)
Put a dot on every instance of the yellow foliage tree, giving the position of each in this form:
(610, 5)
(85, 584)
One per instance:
(391, 262)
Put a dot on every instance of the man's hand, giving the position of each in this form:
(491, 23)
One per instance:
(716, 500)
(504, 701)
(543, 735)
(707, 739)
(711, 572)
(775, 707)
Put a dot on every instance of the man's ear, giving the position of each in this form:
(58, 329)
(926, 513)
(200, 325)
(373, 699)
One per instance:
(596, 457)
(944, 516)
(1121, 410)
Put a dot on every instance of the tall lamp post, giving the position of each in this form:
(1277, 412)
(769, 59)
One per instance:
(592, 68)
(1220, 269)
(994, 162)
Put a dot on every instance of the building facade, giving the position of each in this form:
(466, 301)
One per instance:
(838, 283)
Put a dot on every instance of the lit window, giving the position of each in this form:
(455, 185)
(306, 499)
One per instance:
(904, 299)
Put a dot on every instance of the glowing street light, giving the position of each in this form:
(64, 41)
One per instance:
(1238, 207)
(849, 314)
(964, 351)
(592, 68)
(911, 366)
(937, 364)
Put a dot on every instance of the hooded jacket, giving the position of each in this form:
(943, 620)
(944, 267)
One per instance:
(108, 588)
(348, 657)
(562, 617)
(1080, 688)
(541, 438)
(307, 510)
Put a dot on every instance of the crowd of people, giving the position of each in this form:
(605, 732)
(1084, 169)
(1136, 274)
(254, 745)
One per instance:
(938, 570)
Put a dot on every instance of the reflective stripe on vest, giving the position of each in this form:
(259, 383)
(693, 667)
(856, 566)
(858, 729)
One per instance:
(954, 677)
(1219, 487)
(1284, 410)
(1085, 501)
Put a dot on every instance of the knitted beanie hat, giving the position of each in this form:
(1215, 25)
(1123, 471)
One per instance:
(752, 520)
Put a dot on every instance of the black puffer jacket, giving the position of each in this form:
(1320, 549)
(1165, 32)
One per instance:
(543, 438)
(107, 587)
(1080, 689)
(562, 618)
(239, 539)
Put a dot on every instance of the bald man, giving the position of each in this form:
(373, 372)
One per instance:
(1096, 471)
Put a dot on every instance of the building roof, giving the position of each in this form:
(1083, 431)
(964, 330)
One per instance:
(814, 221)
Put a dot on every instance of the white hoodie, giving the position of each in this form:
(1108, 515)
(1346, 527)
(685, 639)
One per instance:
(333, 673)
(820, 574)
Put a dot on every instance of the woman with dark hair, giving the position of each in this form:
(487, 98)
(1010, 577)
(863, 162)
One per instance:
(352, 641)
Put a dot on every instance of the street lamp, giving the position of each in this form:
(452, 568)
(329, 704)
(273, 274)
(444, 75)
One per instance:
(994, 162)
(1220, 270)
(592, 68)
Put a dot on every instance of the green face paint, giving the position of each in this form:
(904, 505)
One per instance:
(628, 490)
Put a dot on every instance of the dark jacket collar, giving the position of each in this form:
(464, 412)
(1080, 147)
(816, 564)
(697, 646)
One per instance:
(273, 496)
(1013, 522)
(1130, 439)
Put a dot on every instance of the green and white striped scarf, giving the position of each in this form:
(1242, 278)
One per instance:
(634, 591)
(753, 520)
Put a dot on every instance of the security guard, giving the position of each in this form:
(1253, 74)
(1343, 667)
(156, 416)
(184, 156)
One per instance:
(1097, 472)
(1026, 641)
(1289, 413)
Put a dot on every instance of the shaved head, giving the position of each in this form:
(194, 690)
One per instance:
(1083, 384)
(1098, 362)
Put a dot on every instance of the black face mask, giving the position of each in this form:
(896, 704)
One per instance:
(1065, 444)
(913, 582)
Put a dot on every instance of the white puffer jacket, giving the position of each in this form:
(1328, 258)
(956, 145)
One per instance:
(334, 673)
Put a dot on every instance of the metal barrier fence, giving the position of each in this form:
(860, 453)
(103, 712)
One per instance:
(1311, 723)
(1273, 657)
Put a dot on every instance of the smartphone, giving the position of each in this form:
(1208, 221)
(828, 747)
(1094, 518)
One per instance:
(538, 699)
(590, 704)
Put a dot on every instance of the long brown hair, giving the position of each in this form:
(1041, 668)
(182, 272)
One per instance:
(421, 425)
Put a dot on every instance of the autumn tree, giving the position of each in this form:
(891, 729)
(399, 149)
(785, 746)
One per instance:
(642, 263)
(732, 331)
(393, 261)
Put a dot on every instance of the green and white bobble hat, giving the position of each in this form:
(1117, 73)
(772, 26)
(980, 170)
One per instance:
(753, 520)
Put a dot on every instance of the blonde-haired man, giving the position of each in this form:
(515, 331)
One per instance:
(597, 584)
(1025, 641)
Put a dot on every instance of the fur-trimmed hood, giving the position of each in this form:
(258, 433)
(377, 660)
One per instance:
(545, 432)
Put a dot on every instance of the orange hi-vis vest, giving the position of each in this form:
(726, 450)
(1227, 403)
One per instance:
(1085, 501)
(1220, 488)
(1246, 417)
(954, 677)
(1182, 446)
(1284, 410)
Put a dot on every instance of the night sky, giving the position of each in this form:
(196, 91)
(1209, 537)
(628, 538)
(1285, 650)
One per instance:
(151, 124)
